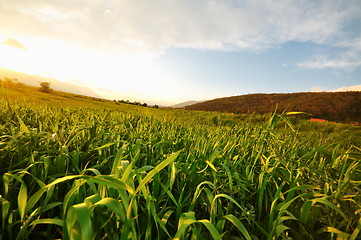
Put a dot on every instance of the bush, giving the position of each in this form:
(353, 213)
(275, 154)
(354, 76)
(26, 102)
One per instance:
(45, 87)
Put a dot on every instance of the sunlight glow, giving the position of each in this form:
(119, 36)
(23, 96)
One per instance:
(124, 74)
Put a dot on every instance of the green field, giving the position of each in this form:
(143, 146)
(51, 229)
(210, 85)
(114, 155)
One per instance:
(75, 167)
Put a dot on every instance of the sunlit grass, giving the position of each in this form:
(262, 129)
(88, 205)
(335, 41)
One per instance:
(103, 173)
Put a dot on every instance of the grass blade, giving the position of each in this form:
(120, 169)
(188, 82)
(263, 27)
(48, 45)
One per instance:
(159, 167)
(54, 221)
(22, 199)
(211, 228)
(236, 222)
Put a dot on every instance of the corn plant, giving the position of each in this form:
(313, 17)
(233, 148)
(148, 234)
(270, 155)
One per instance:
(104, 174)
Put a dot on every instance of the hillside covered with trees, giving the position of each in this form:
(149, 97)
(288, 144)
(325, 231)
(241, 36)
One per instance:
(333, 106)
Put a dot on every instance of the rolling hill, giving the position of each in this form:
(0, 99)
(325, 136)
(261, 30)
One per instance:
(333, 106)
(34, 80)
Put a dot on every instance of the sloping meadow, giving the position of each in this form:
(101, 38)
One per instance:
(104, 174)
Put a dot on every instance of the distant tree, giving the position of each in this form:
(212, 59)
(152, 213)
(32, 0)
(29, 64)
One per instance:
(45, 87)
(11, 83)
(156, 106)
(144, 104)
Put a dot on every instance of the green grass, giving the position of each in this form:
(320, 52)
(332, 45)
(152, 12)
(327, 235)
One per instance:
(108, 171)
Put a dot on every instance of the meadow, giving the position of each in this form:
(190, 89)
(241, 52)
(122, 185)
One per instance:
(113, 171)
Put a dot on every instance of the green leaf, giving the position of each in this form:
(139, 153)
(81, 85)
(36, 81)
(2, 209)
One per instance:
(22, 199)
(159, 167)
(227, 197)
(297, 113)
(5, 206)
(172, 175)
(211, 165)
(198, 192)
(104, 146)
(166, 216)
(340, 235)
(54, 221)
(236, 222)
(356, 231)
(89, 201)
(82, 217)
(305, 211)
(23, 127)
(110, 182)
(63, 179)
(113, 205)
(185, 221)
(287, 204)
(330, 205)
(117, 159)
(280, 229)
(127, 172)
(211, 228)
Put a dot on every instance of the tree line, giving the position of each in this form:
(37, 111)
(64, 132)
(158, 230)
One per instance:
(135, 103)
(11, 83)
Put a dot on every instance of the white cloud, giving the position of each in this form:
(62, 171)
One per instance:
(341, 89)
(317, 89)
(350, 88)
(347, 57)
(329, 63)
(153, 26)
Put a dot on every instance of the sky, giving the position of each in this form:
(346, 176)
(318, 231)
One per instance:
(170, 51)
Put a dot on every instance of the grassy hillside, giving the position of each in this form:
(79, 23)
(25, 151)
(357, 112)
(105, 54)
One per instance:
(74, 167)
(333, 106)
(30, 95)
(34, 80)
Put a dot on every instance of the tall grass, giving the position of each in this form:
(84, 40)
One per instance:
(104, 174)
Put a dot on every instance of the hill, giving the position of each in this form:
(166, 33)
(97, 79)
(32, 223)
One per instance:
(333, 106)
(19, 93)
(185, 104)
(35, 80)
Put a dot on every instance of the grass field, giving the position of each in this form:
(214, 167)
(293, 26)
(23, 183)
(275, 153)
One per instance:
(79, 168)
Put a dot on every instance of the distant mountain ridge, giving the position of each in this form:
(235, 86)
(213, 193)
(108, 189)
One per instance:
(34, 80)
(184, 104)
(333, 106)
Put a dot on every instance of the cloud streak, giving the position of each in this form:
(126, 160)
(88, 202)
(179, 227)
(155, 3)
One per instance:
(336, 64)
(14, 43)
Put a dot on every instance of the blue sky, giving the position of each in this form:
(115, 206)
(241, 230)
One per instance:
(169, 51)
(271, 71)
